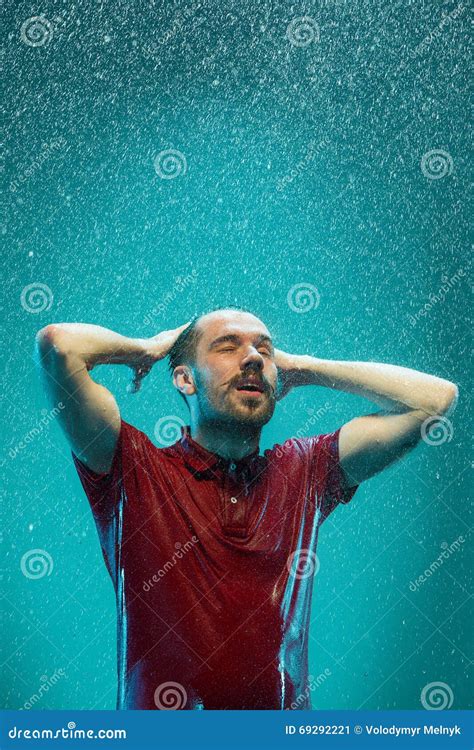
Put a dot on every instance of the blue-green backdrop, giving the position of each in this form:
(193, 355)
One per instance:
(321, 145)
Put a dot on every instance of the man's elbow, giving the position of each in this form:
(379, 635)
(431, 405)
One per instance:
(448, 399)
(48, 342)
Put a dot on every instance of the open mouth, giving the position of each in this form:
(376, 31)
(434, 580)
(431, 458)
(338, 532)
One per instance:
(251, 387)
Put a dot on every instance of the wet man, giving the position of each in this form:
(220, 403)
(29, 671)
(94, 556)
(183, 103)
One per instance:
(211, 545)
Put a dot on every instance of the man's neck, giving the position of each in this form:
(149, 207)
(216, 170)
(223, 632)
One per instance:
(226, 441)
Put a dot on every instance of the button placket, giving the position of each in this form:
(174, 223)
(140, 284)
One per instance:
(234, 517)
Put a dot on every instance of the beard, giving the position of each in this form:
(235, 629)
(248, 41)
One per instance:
(230, 408)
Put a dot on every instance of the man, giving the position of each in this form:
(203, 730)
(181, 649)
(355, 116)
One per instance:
(210, 545)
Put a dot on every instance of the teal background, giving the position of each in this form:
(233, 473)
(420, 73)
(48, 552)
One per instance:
(360, 221)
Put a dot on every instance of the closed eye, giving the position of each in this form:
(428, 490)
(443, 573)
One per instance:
(265, 351)
(229, 349)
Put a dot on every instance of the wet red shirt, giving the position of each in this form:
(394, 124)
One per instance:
(212, 563)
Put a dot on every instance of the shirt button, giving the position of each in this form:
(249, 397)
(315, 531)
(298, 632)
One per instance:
(233, 499)
(233, 466)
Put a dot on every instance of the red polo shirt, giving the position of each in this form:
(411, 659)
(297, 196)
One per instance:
(212, 563)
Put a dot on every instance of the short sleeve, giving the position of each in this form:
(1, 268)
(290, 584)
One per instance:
(103, 490)
(327, 473)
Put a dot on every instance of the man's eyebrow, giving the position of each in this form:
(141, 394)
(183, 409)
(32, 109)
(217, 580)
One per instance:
(234, 339)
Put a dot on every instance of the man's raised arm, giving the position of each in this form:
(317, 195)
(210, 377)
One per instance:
(90, 417)
(411, 400)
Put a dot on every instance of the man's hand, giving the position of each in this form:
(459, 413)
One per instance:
(154, 349)
(290, 372)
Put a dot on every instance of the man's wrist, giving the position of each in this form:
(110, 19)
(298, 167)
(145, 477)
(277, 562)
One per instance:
(305, 370)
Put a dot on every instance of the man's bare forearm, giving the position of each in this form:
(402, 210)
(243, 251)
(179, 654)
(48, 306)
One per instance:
(69, 348)
(389, 386)
(91, 344)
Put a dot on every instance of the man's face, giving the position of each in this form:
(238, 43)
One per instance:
(235, 375)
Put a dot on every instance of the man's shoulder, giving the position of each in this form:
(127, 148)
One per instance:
(304, 445)
(137, 440)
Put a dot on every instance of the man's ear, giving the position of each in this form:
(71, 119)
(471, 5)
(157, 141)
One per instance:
(183, 380)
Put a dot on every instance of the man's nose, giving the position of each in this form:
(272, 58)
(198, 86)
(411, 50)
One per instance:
(253, 359)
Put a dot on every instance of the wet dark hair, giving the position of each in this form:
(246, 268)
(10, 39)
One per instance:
(183, 351)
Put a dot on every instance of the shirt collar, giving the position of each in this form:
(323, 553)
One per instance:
(202, 460)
